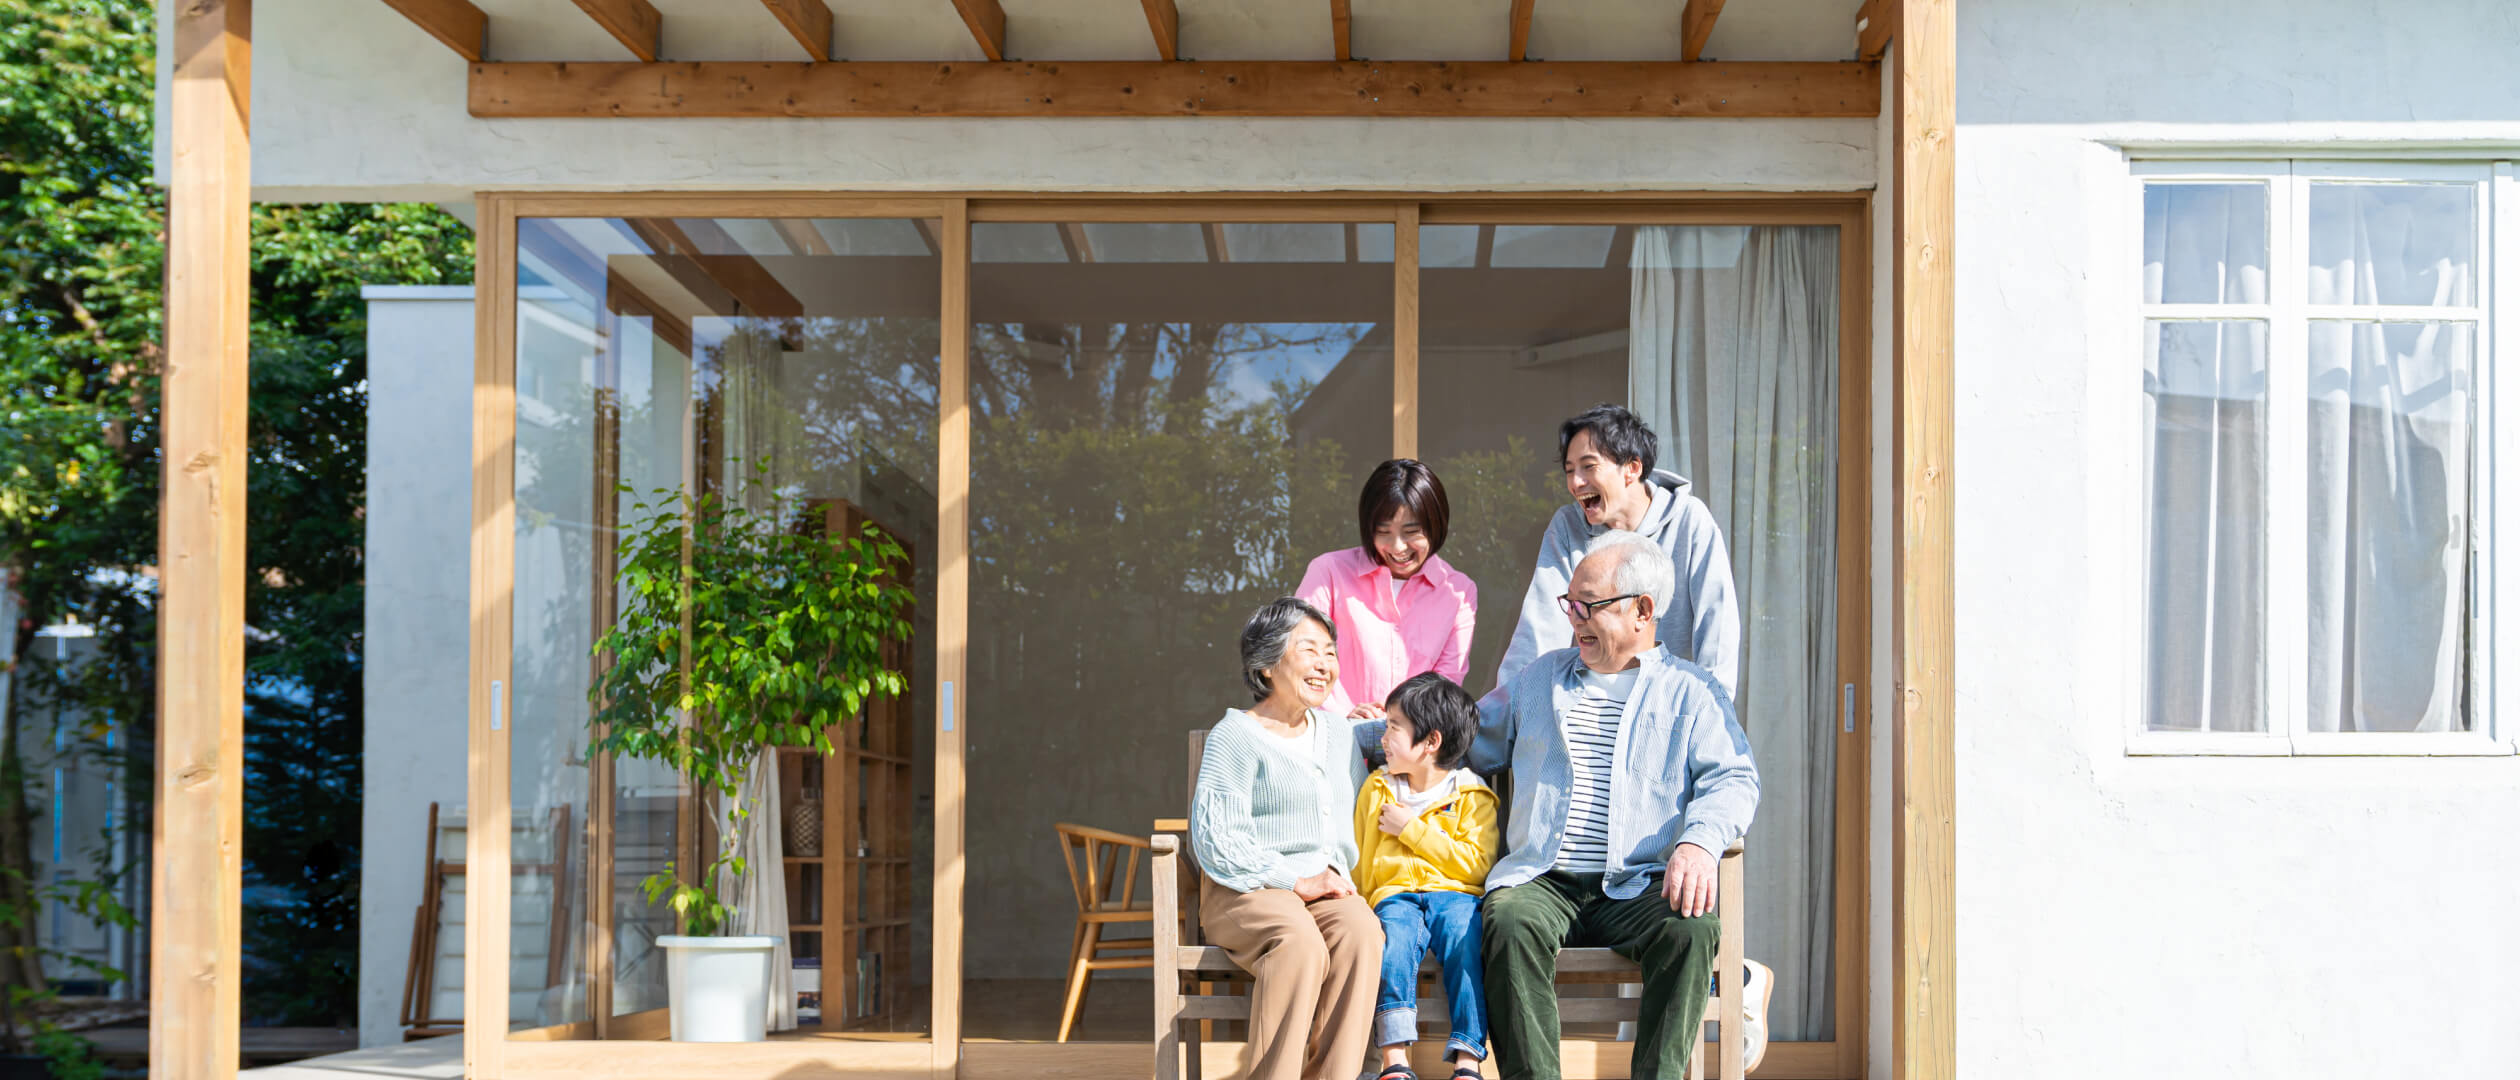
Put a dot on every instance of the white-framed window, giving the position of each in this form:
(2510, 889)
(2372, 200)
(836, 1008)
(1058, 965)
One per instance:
(2318, 481)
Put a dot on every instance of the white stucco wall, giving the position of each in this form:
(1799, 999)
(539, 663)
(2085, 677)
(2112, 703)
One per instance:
(419, 556)
(2184, 917)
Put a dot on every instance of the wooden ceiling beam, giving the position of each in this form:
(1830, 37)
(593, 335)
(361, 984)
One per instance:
(681, 248)
(1339, 20)
(1872, 28)
(1164, 19)
(1593, 89)
(809, 21)
(1697, 23)
(461, 26)
(633, 23)
(1518, 31)
(988, 25)
(1212, 235)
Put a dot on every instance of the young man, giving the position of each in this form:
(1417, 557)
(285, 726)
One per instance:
(1631, 779)
(1608, 456)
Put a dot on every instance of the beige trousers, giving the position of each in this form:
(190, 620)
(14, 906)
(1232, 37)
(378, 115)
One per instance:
(1314, 968)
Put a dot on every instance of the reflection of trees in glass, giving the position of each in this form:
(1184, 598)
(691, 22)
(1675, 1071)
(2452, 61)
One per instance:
(1501, 502)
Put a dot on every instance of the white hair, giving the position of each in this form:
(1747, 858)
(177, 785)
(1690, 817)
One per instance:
(1644, 568)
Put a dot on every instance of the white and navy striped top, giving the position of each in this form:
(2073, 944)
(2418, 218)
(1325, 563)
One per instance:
(1592, 740)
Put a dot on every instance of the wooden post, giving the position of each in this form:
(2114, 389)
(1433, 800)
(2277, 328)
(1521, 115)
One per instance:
(198, 878)
(1922, 1027)
(493, 606)
(953, 590)
(1404, 332)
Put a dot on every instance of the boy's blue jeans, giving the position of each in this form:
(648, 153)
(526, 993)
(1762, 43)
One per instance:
(1449, 923)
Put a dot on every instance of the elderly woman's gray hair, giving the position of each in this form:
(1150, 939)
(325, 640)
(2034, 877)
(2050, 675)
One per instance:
(1264, 639)
(1644, 568)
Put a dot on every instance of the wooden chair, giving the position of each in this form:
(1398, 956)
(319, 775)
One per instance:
(1105, 896)
(1189, 970)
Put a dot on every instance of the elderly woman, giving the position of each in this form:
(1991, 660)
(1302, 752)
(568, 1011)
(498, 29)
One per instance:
(1271, 823)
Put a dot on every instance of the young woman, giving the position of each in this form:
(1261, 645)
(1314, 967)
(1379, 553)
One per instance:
(1400, 610)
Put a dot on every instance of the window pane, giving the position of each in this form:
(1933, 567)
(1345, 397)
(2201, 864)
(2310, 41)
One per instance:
(2204, 526)
(2205, 243)
(2392, 442)
(1157, 449)
(696, 356)
(2393, 244)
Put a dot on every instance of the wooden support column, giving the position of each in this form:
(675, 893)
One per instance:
(493, 606)
(1404, 333)
(1922, 1025)
(953, 592)
(198, 878)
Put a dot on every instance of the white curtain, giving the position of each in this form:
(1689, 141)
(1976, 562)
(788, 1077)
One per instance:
(760, 892)
(2205, 481)
(1733, 360)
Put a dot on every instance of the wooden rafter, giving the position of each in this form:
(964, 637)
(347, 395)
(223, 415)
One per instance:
(1339, 20)
(801, 236)
(633, 23)
(1072, 240)
(809, 21)
(729, 90)
(1872, 28)
(1518, 32)
(681, 250)
(1164, 20)
(461, 26)
(1697, 23)
(988, 25)
(1213, 235)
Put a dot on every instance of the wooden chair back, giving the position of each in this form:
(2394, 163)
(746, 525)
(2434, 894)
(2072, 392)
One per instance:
(1102, 881)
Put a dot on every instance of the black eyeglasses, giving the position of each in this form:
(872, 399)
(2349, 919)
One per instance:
(1583, 610)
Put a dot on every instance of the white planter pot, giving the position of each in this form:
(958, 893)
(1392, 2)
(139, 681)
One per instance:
(718, 987)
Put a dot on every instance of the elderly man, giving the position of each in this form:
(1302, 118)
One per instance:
(1631, 777)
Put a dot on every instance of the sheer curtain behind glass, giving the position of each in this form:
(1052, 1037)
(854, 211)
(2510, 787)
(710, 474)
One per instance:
(1733, 360)
(2390, 456)
(2205, 461)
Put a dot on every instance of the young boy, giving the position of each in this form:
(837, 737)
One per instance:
(1426, 835)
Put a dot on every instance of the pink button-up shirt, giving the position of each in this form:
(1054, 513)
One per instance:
(1382, 642)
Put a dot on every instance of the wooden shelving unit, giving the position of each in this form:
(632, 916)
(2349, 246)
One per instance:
(848, 903)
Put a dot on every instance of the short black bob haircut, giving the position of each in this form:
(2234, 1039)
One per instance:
(1436, 706)
(1615, 430)
(1397, 483)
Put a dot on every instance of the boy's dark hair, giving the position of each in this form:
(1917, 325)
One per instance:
(1435, 706)
(1397, 483)
(1615, 430)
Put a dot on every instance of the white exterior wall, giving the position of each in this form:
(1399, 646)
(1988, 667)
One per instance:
(419, 566)
(2184, 917)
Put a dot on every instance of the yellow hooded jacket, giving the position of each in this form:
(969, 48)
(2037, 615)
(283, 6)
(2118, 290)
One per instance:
(1449, 848)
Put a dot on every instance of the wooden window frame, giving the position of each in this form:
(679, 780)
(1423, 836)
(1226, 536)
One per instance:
(491, 1051)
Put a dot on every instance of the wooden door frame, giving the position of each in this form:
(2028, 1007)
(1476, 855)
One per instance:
(491, 1051)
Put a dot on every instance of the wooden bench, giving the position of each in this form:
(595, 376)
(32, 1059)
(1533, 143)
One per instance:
(1186, 999)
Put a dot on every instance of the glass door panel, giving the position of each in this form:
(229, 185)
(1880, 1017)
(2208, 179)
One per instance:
(1169, 421)
(791, 367)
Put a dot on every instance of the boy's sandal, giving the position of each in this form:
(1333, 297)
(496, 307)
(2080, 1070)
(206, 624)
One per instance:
(1396, 1072)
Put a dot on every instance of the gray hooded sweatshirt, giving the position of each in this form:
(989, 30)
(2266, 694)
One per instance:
(1703, 623)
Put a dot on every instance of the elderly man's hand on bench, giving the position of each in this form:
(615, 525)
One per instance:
(1689, 882)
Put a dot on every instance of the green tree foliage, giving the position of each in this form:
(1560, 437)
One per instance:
(82, 248)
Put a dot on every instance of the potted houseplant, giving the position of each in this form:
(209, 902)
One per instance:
(739, 630)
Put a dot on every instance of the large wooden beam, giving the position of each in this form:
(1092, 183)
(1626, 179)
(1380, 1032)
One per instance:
(809, 21)
(456, 22)
(1697, 23)
(1873, 22)
(707, 263)
(988, 25)
(197, 879)
(633, 23)
(1340, 20)
(1922, 1027)
(1164, 20)
(733, 90)
(1518, 31)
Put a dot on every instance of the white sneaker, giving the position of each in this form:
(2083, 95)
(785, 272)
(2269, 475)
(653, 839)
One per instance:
(1757, 985)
